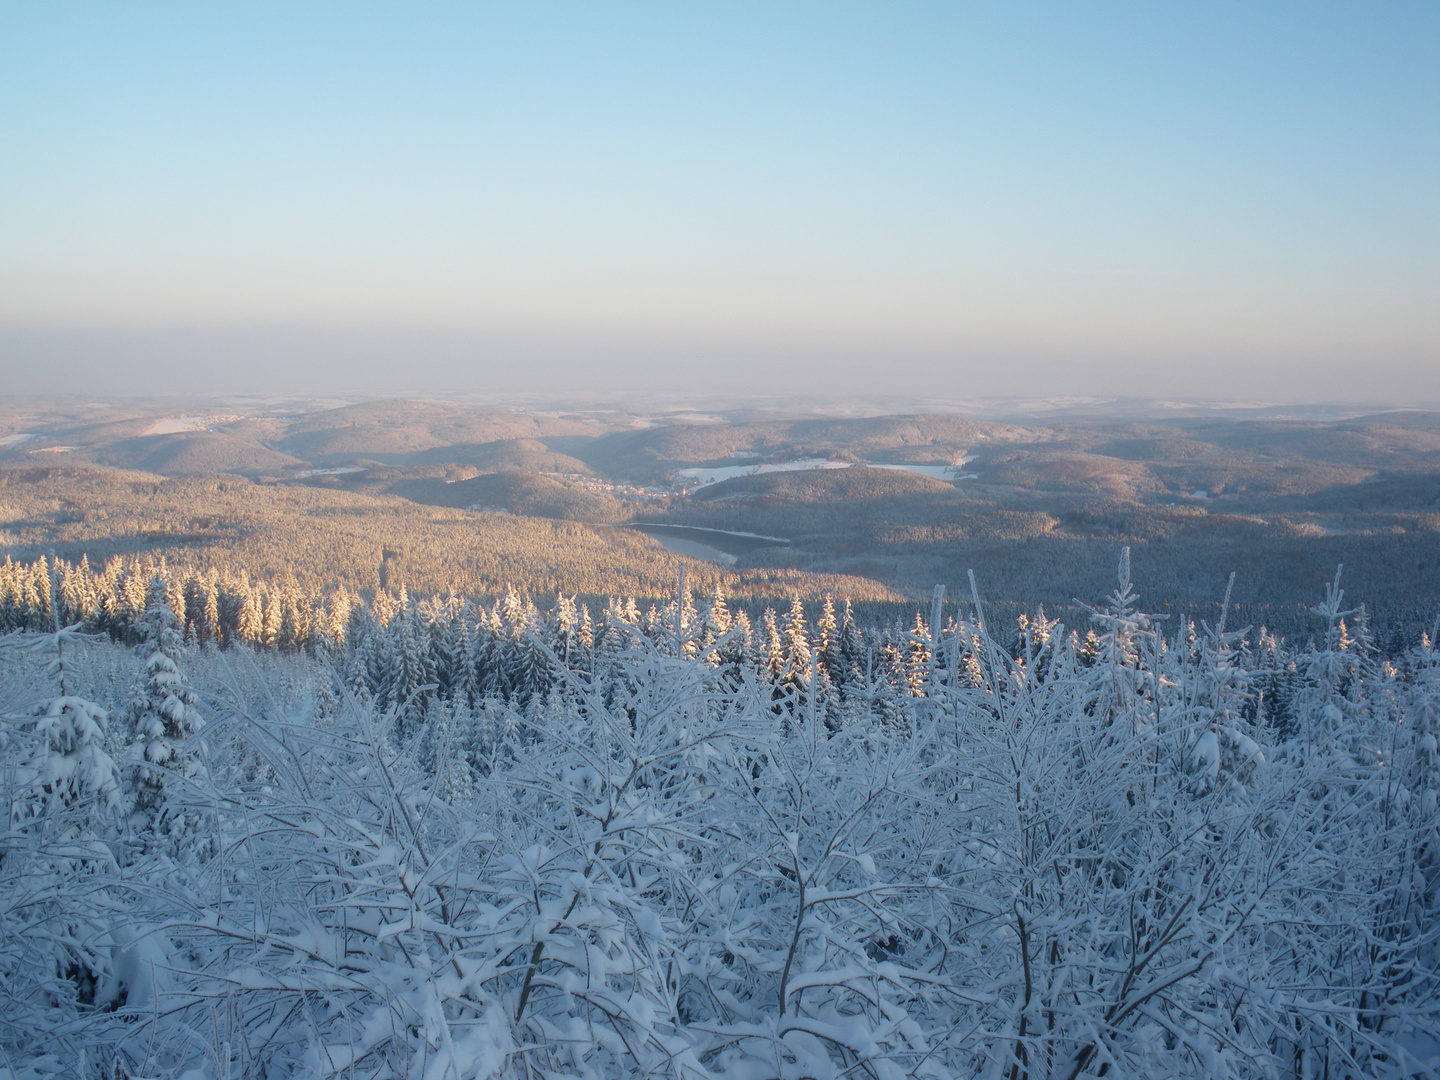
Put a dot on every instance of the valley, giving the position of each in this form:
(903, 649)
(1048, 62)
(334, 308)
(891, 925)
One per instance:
(876, 508)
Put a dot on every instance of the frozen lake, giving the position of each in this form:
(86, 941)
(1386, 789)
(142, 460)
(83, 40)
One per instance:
(727, 472)
(694, 549)
(713, 545)
(330, 472)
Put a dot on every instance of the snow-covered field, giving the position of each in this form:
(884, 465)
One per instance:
(174, 425)
(939, 472)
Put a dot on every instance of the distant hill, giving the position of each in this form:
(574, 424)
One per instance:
(1419, 418)
(518, 492)
(651, 453)
(1043, 509)
(530, 455)
(189, 452)
(326, 538)
(391, 430)
(1054, 470)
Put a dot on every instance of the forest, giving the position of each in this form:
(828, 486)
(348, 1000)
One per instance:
(327, 540)
(872, 508)
(434, 837)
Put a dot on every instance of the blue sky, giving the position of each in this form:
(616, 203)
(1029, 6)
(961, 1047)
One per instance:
(1153, 199)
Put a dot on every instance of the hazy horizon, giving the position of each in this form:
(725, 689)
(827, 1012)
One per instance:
(1223, 202)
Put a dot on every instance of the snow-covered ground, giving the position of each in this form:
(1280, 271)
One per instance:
(939, 472)
(175, 425)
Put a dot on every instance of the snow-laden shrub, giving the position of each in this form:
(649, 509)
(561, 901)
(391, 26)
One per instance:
(1069, 858)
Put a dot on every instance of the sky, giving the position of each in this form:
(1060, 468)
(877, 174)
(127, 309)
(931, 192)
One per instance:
(1216, 200)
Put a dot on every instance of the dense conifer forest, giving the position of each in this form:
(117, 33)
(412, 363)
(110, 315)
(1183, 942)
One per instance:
(249, 834)
(328, 540)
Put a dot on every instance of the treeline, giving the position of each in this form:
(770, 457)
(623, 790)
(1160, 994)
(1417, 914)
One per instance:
(210, 607)
(394, 644)
(224, 609)
(410, 653)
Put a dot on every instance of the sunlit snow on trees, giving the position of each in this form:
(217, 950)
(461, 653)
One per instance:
(504, 842)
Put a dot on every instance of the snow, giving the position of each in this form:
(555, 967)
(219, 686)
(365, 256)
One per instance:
(1207, 756)
(693, 549)
(715, 474)
(728, 472)
(719, 532)
(17, 438)
(693, 546)
(938, 472)
(651, 853)
(174, 425)
(338, 471)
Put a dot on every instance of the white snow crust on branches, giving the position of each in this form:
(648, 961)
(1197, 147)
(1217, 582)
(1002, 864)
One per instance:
(641, 849)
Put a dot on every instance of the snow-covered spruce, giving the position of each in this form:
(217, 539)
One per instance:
(510, 843)
(162, 723)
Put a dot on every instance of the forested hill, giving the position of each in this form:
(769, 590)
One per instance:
(869, 508)
(325, 541)
(507, 844)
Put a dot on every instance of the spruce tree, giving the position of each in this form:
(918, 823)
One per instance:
(737, 648)
(250, 623)
(338, 617)
(67, 772)
(716, 620)
(854, 656)
(561, 627)
(797, 646)
(827, 640)
(772, 646)
(62, 795)
(917, 657)
(163, 721)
